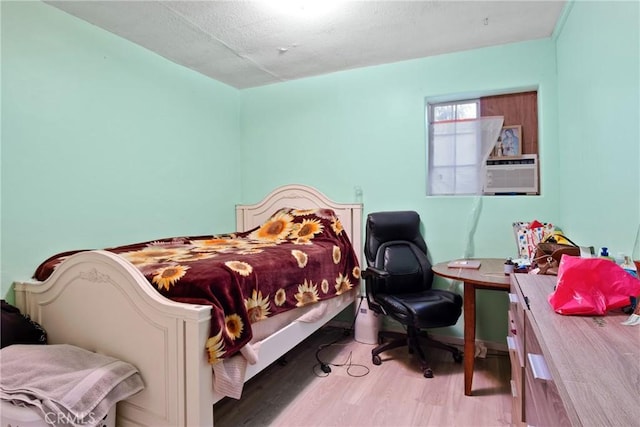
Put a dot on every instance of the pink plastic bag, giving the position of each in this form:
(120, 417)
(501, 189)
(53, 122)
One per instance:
(592, 286)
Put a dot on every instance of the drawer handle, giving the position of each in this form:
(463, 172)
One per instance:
(511, 343)
(513, 298)
(539, 367)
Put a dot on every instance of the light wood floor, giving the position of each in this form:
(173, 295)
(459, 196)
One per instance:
(392, 394)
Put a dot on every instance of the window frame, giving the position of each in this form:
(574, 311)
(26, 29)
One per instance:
(520, 106)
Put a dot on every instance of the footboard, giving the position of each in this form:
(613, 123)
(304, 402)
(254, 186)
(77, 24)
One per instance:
(99, 301)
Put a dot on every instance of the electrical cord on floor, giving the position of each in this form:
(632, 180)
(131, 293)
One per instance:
(325, 367)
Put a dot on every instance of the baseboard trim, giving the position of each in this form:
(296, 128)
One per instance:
(447, 339)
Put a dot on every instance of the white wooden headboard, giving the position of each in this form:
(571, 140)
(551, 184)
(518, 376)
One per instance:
(302, 197)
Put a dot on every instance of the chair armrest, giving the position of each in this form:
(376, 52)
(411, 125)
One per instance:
(374, 273)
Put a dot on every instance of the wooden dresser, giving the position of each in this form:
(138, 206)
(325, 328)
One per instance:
(570, 370)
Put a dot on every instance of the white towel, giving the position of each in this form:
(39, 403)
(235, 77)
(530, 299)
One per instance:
(69, 385)
(229, 373)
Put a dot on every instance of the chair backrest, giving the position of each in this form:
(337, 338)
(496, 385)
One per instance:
(393, 243)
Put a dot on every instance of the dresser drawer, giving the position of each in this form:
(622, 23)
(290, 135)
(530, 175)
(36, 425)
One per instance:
(543, 405)
(516, 343)
(516, 407)
(517, 306)
(517, 383)
(516, 335)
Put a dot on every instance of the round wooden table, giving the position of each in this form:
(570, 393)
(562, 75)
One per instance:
(489, 276)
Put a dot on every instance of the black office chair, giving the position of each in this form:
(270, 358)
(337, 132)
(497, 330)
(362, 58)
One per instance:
(398, 283)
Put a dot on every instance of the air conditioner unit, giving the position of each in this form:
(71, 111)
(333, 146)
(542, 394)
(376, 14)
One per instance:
(512, 175)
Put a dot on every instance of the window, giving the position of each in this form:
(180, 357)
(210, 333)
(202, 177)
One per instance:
(462, 134)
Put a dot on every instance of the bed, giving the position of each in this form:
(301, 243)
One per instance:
(100, 301)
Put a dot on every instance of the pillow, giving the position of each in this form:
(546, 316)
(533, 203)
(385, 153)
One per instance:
(18, 328)
(299, 225)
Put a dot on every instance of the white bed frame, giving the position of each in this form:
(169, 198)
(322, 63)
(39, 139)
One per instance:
(101, 302)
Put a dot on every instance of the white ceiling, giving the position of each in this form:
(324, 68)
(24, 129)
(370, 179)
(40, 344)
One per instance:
(253, 43)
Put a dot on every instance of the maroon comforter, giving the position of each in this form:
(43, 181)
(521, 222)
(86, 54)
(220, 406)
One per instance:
(294, 259)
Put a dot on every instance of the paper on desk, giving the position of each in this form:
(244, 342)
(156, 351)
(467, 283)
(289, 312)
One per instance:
(633, 320)
(464, 263)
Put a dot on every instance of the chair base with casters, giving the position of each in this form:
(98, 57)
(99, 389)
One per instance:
(437, 308)
(412, 340)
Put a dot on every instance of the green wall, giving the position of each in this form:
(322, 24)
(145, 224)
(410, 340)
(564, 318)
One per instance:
(599, 116)
(366, 128)
(104, 142)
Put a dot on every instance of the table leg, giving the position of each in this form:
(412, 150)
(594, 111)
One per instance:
(469, 335)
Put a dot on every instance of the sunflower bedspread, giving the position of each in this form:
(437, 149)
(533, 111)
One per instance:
(295, 258)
